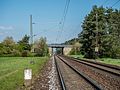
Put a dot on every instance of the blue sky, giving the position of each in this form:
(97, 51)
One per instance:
(47, 14)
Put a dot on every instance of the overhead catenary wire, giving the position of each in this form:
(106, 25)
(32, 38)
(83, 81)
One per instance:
(46, 30)
(62, 22)
(65, 13)
(115, 3)
(104, 2)
(64, 17)
(112, 4)
(74, 32)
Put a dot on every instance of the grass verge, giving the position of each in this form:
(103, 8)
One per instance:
(12, 70)
(103, 60)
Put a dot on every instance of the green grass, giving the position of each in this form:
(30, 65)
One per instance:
(77, 56)
(110, 61)
(103, 60)
(12, 70)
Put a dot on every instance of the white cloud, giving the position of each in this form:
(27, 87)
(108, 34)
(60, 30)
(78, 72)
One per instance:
(3, 33)
(6, 28)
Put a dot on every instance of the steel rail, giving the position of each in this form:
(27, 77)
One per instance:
(103, 69)
(102, 64)
(89, 80)
(63, 86)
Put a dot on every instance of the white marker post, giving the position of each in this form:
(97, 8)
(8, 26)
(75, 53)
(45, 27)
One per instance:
(28, 77)
(96, 49)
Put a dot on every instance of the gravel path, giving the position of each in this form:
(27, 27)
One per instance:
(47, 79)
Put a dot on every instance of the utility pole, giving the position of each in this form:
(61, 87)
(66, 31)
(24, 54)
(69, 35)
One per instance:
(96, 30)
(31, 31)
(75, 47)
(97, 47)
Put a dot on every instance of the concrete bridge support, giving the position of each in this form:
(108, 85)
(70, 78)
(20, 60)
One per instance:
(65, 50)
(50, 51)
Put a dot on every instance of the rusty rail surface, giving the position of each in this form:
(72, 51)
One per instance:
(60, 76)
(89, 80)
(115, 70)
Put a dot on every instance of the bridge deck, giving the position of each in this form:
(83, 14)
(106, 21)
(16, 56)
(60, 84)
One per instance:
(59, 46)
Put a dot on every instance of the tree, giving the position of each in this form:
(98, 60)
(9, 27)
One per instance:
(93, 29)
(9, 48)
(2, 49)
(76, 49)
(111, 41)
(40, 47)
(76, 46)
(71, 42)
(24, 46)
(24, 43)
(8, 45)
(101, 28)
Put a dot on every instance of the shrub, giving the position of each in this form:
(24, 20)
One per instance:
(16, 53)
(24, 53)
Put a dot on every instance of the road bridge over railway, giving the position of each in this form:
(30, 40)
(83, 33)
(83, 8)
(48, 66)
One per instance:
(65, 48)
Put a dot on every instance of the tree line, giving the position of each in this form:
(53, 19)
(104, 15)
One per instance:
(100, 35)
(8, 47)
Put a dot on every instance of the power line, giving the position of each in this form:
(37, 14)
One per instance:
(62, 22)
(108, 0)
(74, 32)
(65, 13)
(45, 30)
(115, 3)
(104, 2)
(101, 5)
(65, 8)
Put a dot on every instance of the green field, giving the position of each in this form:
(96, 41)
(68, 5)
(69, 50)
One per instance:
(12, 70)
(103, 60)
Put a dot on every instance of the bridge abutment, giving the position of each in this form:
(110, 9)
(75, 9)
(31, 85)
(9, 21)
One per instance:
(65, 49)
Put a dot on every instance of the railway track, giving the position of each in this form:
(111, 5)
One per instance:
(72, 79)
(112, 69)
(60, 76)
(106, 75)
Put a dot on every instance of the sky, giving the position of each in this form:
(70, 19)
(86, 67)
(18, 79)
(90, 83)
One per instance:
(47, 15)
